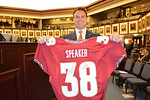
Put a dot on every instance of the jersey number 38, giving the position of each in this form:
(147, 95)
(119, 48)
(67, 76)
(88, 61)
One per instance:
(84, 79)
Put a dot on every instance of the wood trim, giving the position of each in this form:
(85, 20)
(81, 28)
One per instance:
(99, 3)
(9, 71)
(12, 74)
(1, 57)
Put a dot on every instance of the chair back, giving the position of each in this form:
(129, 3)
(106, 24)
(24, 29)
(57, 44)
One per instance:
(128, 65)
(137, 68)
(146, 72)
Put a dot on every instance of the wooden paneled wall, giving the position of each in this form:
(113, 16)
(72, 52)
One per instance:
(20, 77)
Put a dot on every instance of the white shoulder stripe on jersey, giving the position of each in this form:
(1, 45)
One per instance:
(39, 63)
(121, 58)
(75, 42)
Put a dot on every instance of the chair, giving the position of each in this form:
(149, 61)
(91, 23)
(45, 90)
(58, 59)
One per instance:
(127, 68)
(140, 82)
(147, 91)
(135, 73)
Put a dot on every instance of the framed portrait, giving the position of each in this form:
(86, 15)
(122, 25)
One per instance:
(140, 25)
(7, 31)
(91, 29)
(148, 21)
(143, 23)
(1, 30)
(70, 30)
(44, 32)
(95, 29)
(37, 33)
(124, 28)
(16, 32)
(115, 28)
(63, 32)
(23, 33)
(31, 33)
(50, 33)
(107, 30)
(133, 28)
(101, 30)
(57, 33)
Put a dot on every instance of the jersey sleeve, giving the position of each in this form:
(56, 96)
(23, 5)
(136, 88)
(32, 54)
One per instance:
(39, 58)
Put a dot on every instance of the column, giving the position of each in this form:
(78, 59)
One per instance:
(40, 24)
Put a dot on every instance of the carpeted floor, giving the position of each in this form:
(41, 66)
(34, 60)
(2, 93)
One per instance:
(116, 93)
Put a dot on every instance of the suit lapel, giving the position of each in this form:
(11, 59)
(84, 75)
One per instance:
(74, 37)
(88, 34)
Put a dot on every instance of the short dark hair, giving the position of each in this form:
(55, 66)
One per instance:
(82, 9)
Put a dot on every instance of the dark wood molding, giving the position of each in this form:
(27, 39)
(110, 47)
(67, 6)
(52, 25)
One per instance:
(10, 85)
(37, 86)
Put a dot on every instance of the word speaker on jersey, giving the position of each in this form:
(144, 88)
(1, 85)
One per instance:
(76, 53)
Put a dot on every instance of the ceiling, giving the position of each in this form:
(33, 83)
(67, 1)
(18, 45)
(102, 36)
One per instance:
(45, 4)
(44, 9)
(139, 6)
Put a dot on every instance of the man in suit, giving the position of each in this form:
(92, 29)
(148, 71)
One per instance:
(81, 32)
(129, 47)
(146, 57)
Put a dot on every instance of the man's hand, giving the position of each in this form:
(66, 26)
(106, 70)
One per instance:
(116, 38)
(43, 39)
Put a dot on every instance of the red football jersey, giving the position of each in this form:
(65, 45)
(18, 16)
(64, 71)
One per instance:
(79, 70)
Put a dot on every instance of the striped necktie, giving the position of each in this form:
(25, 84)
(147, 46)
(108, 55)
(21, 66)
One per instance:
(80, 37)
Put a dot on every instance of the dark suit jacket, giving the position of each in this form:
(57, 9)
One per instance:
(72, 35)
(129, 48)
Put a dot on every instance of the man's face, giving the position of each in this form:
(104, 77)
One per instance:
(80, 19)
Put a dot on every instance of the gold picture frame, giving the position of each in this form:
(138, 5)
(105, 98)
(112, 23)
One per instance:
(91, 29)
(133, 27)
(124, 28)
(148, 21)
(143, 23)
(101, 30)
(37, 33)
(107, 29)
(50, 33)
(44, 32)
(95, 29)
(16, 32)
(63, 31)
(115, 28)
(140, 25)
(57, 33)
(7, 31)
(31, 33)
(23, 33)
(1, 30)
(70, 30)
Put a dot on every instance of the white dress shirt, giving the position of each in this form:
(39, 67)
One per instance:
(83, 33)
